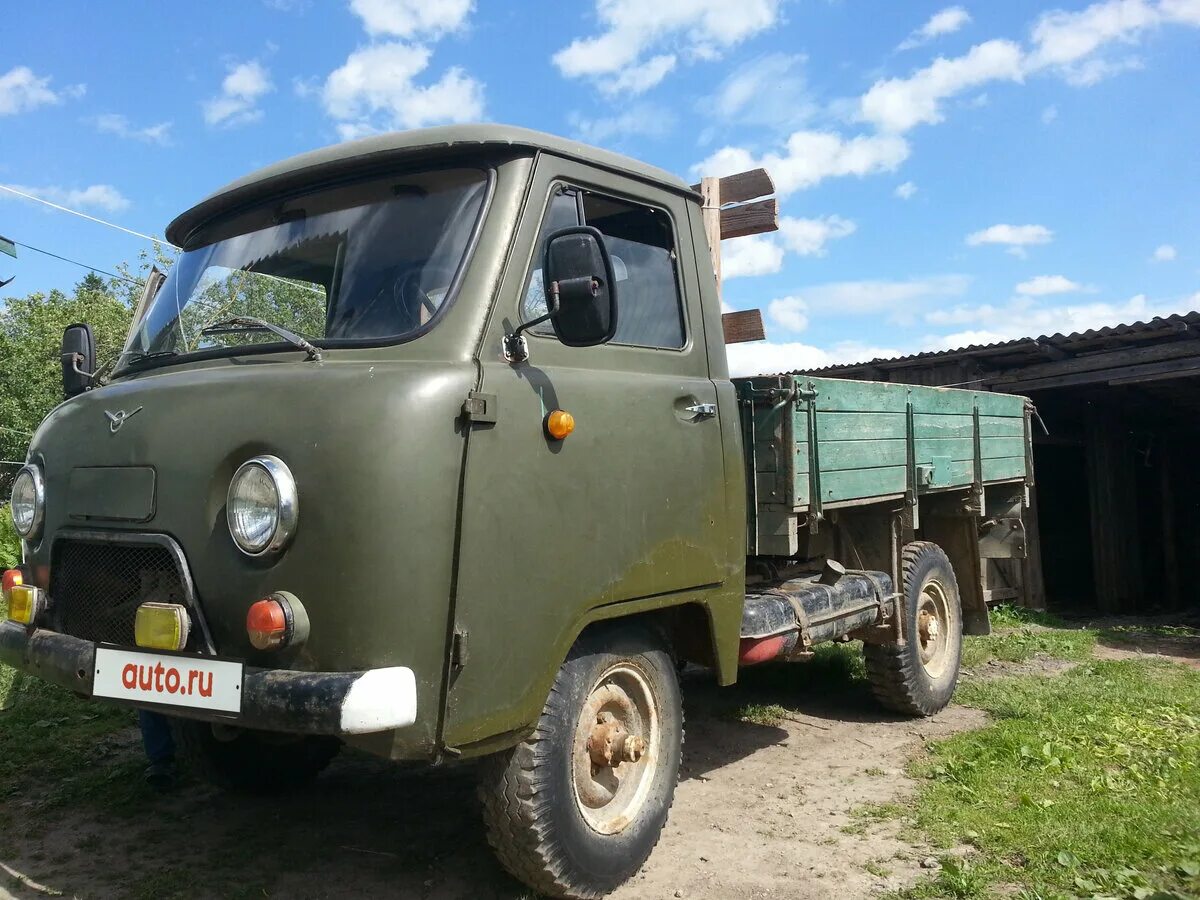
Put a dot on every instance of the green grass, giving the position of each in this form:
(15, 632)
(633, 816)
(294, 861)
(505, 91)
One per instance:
(1087, 784)
(1019, 634)
(50, 736)
(10, 541)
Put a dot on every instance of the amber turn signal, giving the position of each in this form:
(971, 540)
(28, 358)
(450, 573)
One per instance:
(559, 424)
(277, 621)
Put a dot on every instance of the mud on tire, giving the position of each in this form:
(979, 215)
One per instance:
(918, 678)
(251, 762)
(544, 801)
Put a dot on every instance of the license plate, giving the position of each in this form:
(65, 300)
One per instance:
(197, 682)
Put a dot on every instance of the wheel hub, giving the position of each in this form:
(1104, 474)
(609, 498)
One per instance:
(932, 628)
(615, 759)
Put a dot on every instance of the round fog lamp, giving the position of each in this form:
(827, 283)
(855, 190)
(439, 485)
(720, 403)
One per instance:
(28, 501)
(262, 507)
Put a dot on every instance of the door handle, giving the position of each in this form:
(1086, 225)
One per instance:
(703, 410)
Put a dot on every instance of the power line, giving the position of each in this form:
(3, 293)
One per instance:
(77, 263)
(83, 215)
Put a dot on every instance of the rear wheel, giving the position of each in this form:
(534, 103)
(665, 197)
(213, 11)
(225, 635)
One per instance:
(576, 808)
(919, 677)
(254, 762)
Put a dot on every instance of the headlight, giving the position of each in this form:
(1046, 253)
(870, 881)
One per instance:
(262, 507)
(28, 502)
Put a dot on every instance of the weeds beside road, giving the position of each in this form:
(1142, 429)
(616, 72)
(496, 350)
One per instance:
(1084, 782)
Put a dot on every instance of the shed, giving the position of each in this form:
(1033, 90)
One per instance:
(1115, 517)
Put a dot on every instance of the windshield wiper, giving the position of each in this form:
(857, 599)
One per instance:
(249, 323)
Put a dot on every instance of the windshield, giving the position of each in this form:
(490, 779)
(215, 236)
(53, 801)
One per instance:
(363, 262)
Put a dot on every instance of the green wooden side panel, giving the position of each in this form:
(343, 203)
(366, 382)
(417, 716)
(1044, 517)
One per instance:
(1001, 426)
(836, 394)
(862, 434)
(840, 455)
(1001, 447)
(1004, 469)
(955, 448)
(860, 426)
(858, 484)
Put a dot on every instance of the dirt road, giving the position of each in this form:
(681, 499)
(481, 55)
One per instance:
(762, 811)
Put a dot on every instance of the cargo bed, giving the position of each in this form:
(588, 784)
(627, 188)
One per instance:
(816, 444)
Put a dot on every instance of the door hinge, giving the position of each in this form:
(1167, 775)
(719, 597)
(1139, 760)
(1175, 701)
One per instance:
(458, 649)
(480, 409)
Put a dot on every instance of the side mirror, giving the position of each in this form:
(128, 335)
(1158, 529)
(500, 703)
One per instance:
(581, 289)
(78, 359)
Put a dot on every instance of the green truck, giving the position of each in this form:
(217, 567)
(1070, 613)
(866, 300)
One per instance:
(428, 446)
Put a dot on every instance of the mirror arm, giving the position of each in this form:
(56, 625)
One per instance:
(516, 348)
(76, 359)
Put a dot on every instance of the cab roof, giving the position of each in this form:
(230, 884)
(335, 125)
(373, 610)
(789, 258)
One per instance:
(339, 160)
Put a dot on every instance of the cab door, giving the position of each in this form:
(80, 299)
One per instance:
(631, 504)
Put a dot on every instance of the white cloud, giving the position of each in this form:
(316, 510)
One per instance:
(1015, 237)
(97, 196)
(641, 119)
(808, 237)
(112, 123)
(899, 104)
(790, 313)
(1049, 114)
(1041, 285)
(1164, 253)
(374, 90)
(768, 357)
(770, 90)
(21, 91)
(640, 78)
(948, 21)
(905, 191)
(762, 254)
(242, 88)
(809, 157)
(412, 18)
(757, 254)
(1023, 317)
(634, 29)
(872, 296)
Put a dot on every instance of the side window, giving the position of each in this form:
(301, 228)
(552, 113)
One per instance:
(642, 246)
(563, 212)
(649, 313)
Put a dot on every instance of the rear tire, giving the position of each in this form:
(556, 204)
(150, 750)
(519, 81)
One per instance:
(918, 678)
(558, 820)
(251, 762)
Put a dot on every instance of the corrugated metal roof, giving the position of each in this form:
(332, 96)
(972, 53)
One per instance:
(1093, 339)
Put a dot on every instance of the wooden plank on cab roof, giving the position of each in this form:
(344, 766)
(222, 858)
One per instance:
(744, 186)
(743, 326)
(749, 218)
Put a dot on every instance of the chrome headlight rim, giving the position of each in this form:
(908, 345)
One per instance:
(287, 505)
(34, 473)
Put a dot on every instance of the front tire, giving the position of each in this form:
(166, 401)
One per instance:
(251, 762)
(918, 677)
(576, 808)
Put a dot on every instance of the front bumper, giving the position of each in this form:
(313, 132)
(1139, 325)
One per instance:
(330, 703)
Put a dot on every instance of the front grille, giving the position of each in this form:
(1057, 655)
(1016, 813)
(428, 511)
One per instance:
(97, 586)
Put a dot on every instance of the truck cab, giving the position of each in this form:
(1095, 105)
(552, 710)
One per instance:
(427, 444)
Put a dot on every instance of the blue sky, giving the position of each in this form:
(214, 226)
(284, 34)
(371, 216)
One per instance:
(947, 174)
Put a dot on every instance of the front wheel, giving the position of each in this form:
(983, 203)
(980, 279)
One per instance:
(575, 809)
(918, 677)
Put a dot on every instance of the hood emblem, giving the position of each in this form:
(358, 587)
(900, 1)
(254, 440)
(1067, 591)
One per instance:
(117, 419)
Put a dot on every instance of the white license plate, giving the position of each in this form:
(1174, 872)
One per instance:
(197, 682)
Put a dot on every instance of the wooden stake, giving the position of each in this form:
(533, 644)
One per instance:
(710, 190)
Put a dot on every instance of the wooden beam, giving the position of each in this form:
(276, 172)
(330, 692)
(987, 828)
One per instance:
(1114, 375)
(1109, 359)
(710, 211)
(742, 186)
(749, 218)
(743, 326)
